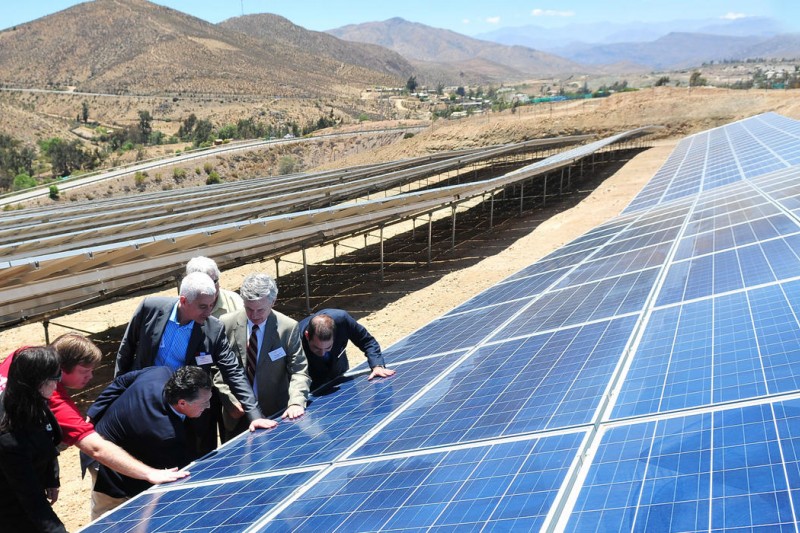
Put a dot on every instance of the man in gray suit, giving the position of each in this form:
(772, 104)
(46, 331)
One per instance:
(175, 332)
(269, 348)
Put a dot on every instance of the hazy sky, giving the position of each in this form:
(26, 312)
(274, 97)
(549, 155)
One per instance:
(466, 16)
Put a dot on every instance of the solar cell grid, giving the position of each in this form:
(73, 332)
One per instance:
(546, 381)
(714, 471)
(335, 420)
(231, 507)
(507, 486)
(453, 332)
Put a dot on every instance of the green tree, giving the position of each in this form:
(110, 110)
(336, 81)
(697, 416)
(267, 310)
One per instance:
(203, 132)
(66, 157)
(23, 181)
(85, 111)
(663, 80)
(411, 84)
(54, 192)
(145, 126)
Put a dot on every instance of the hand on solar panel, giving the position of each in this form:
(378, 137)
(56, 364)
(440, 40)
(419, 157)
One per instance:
(262, 423)
(293, 412)
(167, 475)
(380, 372)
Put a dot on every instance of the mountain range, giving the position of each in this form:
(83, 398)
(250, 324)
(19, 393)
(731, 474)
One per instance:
(137, 47)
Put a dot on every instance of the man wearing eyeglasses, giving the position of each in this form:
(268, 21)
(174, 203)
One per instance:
(143, 413)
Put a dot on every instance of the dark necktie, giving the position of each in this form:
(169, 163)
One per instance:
(252, 355)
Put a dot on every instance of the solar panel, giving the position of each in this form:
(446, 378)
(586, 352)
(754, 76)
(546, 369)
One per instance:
(645, 376)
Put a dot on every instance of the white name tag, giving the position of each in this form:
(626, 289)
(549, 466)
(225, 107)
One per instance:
(204, 359)
(277, 353)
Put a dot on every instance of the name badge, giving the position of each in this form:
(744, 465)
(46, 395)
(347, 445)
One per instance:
(276, 354)
(204, 359)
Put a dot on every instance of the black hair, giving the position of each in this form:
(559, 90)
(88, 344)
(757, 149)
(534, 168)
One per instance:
(23, 404)
(186, 384)
(321, 327)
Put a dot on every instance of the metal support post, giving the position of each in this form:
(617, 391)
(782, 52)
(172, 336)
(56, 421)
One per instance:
(305, 275)
(491, 210)
(430, 236)
(277, 271)
(453, 236)
(381, 253)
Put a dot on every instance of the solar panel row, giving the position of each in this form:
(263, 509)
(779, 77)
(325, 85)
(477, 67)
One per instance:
(644, 377)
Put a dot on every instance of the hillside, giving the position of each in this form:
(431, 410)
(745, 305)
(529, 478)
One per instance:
(427, 45)
(267, 27)
(134, 46)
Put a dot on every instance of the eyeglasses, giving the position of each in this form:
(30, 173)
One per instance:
(55, 378)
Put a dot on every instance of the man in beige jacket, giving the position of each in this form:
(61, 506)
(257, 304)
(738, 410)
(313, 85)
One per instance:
(269, 348)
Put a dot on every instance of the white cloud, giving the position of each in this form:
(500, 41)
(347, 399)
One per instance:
(465, 21)
(733, 16)
(551, 13)
(493, 20)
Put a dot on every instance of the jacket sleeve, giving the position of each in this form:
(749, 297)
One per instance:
(226, 397)
(111, 393)
(232, 374)
(127, 347)
(16, 465)
(297, 366)
(359, 336)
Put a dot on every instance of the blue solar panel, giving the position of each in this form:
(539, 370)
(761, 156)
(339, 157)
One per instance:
(541, 382)
(231, 507)
(727, 470)
(646, 377)
(508, 486)
(334, 421)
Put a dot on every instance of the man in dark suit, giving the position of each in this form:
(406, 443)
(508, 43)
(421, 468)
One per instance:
(142, 412)
(325, 335)
(268, 345)
(174, 332)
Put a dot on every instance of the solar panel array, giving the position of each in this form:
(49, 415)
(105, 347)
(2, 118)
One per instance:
(646, 376)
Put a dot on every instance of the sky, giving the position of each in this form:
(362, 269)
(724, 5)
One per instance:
(469, 17)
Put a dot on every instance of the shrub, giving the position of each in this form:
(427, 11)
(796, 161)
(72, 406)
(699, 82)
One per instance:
(23, 181)
(139, 179)
(213, 178)
(208, 168)
(286, 165)
(179, 174)
(54, 192)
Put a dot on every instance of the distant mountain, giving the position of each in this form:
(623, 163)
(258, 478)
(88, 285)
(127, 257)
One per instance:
(276, 29)
(684, 50)
(425, 45)
(134, 46)
(553, 39)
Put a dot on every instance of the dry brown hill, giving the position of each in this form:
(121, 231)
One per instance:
(274, 28)
(424, 44)
(134, 46)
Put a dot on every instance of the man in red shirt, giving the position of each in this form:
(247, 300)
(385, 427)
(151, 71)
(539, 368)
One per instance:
(78, 357)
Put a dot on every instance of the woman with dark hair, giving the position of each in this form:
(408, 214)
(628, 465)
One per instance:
(29, 434)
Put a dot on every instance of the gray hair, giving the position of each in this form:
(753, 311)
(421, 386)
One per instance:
(197, 284)
(257, 286)
(206, 265)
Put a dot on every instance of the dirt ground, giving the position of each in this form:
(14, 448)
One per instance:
(407, 299)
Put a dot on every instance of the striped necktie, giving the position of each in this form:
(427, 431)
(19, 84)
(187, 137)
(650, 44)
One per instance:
(252, 355)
